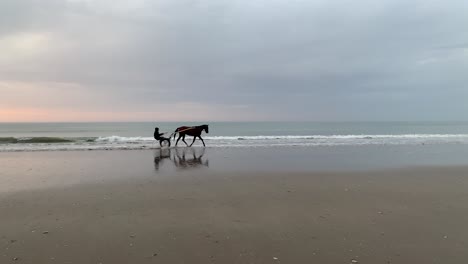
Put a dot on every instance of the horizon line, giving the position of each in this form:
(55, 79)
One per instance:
(241, 121)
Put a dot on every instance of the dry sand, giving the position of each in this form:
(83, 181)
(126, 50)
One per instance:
(416, 215)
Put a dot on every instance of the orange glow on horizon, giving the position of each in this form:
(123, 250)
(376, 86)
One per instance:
(42, 115)
(13, 115)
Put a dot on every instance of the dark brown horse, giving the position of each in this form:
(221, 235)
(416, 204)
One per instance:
(194, 131)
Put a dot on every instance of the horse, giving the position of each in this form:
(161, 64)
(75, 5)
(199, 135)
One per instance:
(194, 131)
(158, 136)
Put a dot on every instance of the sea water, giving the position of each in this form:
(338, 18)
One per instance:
(114, 136)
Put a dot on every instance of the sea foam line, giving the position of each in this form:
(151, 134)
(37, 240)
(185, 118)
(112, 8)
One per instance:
(296, 137)
(119, 142)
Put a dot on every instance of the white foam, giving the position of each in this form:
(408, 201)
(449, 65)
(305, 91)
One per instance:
(405, 136)
(295, 137)
(119, 142)
(119, 139)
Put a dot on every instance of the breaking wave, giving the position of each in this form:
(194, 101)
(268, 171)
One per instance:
(118, 142)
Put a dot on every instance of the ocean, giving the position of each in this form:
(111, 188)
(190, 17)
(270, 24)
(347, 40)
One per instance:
(115, 136)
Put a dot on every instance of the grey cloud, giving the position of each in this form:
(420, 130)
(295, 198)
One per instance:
(338, 58)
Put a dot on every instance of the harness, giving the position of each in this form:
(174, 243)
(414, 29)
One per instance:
(175, 132)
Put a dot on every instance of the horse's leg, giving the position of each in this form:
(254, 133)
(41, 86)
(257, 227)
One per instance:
(202, 141)
(180, 136)
(193, 141)
(160, 143)
(183, 139)
(169, 141)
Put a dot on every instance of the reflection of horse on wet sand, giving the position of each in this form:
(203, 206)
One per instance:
(179, 158)
(180, 161)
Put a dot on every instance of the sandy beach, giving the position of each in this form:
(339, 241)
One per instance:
(233, 132)
(109, 212)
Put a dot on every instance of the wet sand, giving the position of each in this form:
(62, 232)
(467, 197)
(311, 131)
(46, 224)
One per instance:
(105, 211)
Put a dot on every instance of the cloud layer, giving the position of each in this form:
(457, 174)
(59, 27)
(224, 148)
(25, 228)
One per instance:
(233, 60)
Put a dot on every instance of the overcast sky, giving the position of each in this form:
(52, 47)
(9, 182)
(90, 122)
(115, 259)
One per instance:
(174, 60)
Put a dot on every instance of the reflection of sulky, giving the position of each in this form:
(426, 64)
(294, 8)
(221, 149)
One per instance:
(180, 160)
(163, 154)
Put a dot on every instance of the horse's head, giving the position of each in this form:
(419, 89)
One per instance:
(205, 127)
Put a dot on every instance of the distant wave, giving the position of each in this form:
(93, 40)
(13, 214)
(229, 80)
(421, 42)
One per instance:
(118, 139)
(409, 136)
(119, 142)
(338, 136)
(34, 140)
